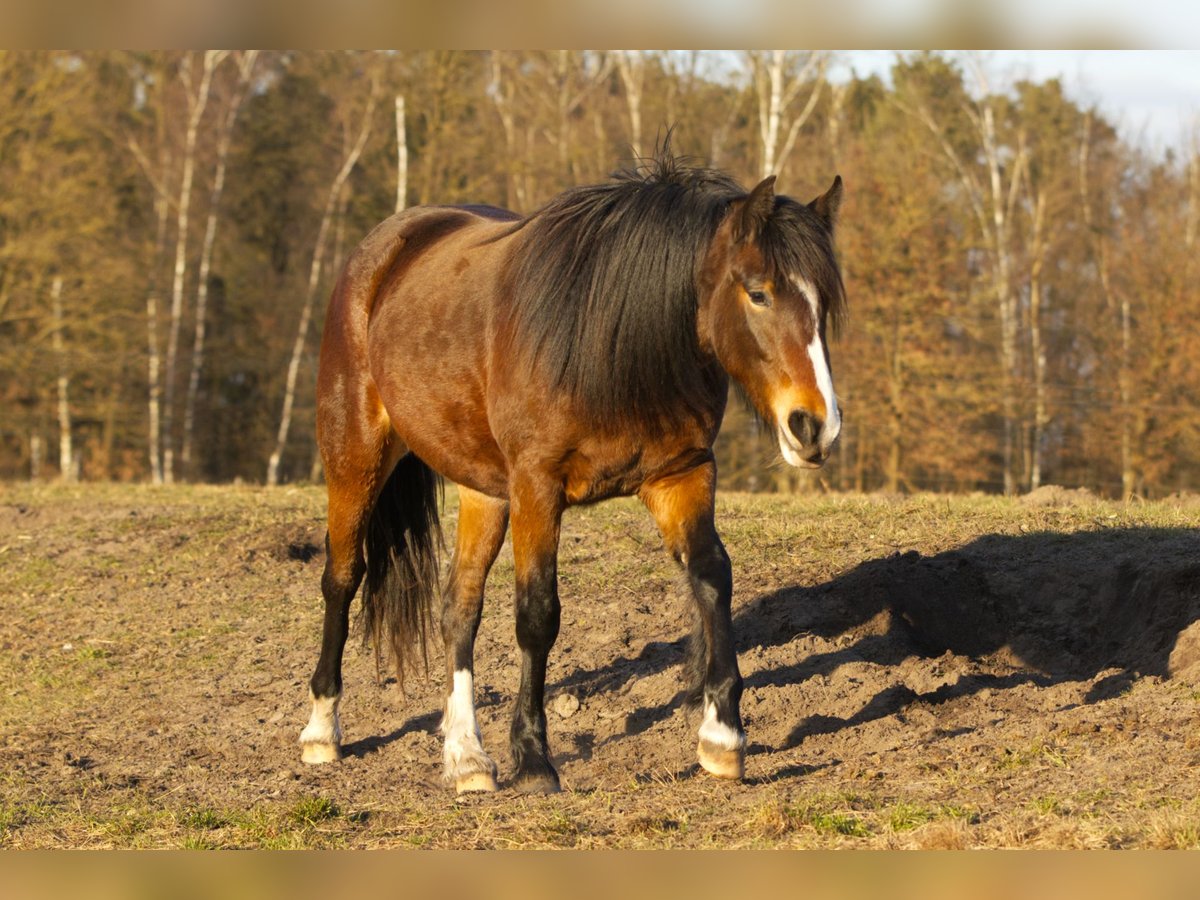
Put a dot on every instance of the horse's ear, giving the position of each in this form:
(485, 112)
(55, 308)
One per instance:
(756, 209)
(826, 206)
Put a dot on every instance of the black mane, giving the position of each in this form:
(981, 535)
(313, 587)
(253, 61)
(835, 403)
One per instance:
(604, 292)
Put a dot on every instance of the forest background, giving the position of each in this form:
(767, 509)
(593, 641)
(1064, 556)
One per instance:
(1022, 278)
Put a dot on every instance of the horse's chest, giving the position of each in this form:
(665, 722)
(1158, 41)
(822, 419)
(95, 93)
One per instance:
(620, 471)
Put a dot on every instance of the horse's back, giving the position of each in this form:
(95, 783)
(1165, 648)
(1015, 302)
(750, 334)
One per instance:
(396, 242)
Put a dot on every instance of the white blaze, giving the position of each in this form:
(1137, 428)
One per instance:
(833, 418)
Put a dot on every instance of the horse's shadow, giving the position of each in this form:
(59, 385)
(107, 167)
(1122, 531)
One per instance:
(1058, 607)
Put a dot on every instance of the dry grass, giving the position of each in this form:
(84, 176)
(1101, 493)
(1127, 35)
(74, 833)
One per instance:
(157, 641)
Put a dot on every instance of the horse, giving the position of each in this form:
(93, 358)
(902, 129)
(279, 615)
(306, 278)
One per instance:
(575, 354)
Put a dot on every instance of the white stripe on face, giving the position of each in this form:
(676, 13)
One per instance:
(816, 353)
(833, 418)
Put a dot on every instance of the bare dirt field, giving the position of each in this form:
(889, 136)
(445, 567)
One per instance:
(920, 672)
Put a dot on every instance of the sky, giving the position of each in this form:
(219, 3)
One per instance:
(1152, 96)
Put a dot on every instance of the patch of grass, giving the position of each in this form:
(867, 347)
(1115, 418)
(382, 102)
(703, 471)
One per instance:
(837, 823)
(654, 825)
(961, 813)
(1173, 831)
(560, 828)
(826, 819)
(294, 828)
(203, 819)
(313, 810)
(1047, 806)
(197, 842)
(1040, 750)
(15, 816)
(905, 816)
(90, 653)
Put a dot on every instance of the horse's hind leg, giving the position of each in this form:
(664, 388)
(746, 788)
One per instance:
(482, 522)
(682, 505)
(358, 459)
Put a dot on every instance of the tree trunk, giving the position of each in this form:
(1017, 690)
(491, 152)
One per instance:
(896, 406)
(66, 459)
(776, 93)
(1037, 349)
(314, 278)
(401, 155)
(154, 384)
(1005, 297)
(35, 455)
(631, 65)
(224, 135)
(196, 104)
(1121, 311)
(501, 93)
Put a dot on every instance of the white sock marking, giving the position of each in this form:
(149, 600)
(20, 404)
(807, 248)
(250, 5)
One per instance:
(323, 726)
(461, 730)
(718, 734)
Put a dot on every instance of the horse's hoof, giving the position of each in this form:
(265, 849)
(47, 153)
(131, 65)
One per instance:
(537, 784)
(729, 764)
(315, 753)
(476, 782)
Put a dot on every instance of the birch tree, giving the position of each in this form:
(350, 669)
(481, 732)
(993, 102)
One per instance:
(197, 89)
(245, 66)
(631, 64)
(401, 155)
(351, 154)
(66, 458)
(780, 79)
(152, 81)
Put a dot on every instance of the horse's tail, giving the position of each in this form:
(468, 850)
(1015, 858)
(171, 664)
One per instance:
(404, 540)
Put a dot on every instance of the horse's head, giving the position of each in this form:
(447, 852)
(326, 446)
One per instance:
(770, 284)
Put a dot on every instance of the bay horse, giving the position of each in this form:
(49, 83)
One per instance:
(578, 353)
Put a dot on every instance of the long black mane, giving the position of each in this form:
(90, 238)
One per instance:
(604, 292)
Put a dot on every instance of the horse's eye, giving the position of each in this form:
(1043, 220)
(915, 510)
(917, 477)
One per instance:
(759, 298)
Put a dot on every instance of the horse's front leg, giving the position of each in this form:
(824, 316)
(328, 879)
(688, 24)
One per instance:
(536, 512)
(682, 505)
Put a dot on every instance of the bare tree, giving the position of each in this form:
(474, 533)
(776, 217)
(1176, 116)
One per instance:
(991, 196)
(568, 82)
(156, 175)
(401, 155)
(349, 160)
(196, 94)
(1037, 347)
(503, 94)
(245, 63)
(779, 78)
(1118, 304)
(66, 465)
(631, 64)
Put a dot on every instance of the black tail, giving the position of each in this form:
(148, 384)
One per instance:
(404, 540)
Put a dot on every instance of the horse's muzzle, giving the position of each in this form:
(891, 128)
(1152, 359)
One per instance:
(805, 441)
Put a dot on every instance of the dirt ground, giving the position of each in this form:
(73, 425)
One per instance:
(920, 672)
